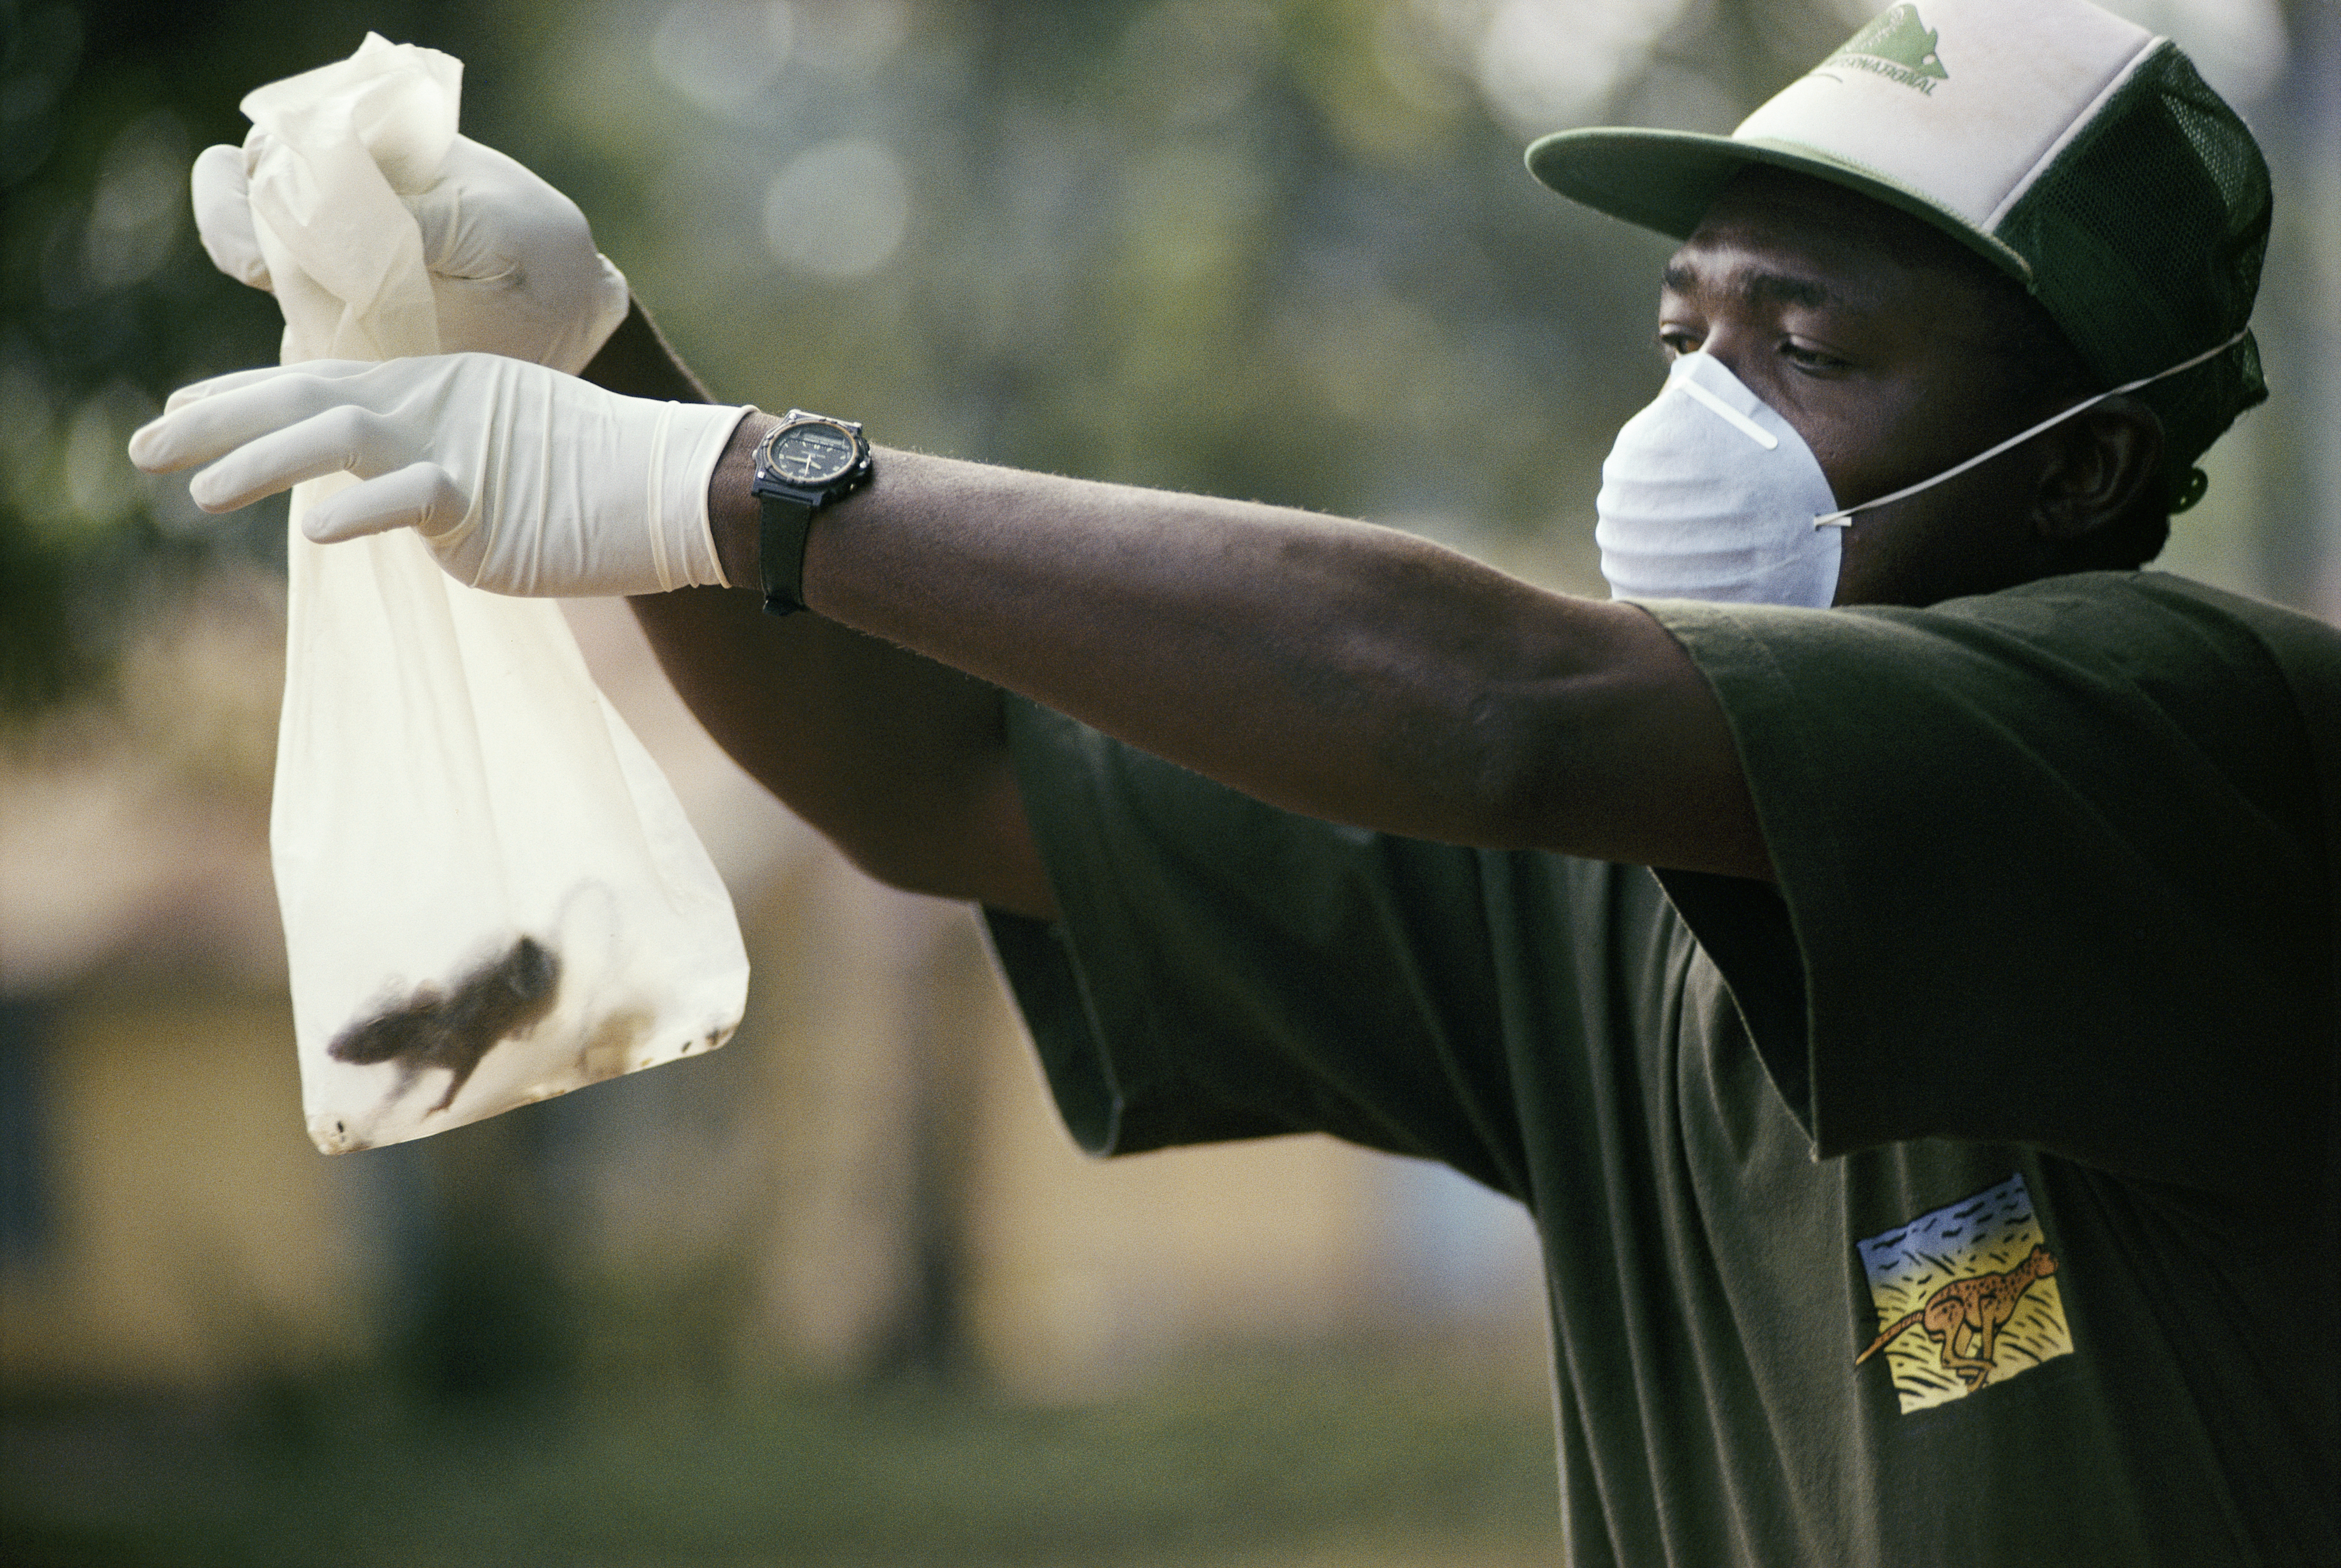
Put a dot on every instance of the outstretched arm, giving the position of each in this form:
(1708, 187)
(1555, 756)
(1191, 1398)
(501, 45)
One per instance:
(1337, 669)
(1334, 668)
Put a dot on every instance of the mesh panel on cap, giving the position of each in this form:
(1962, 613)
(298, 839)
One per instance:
(2145, 240)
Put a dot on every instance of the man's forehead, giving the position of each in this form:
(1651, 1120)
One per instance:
(1773, 237)
(1736, 274)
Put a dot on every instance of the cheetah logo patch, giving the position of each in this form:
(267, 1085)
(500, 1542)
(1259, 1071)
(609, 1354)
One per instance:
(1966, 1297)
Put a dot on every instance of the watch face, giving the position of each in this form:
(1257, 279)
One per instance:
(812, 454)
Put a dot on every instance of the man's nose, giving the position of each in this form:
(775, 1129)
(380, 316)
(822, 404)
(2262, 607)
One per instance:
(1735, 348)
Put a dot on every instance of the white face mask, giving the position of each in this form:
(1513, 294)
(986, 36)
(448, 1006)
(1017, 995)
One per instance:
(1709, 493)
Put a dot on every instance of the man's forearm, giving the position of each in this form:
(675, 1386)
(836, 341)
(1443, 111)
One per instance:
(638, 361)
(902, 763)
(1337, 669)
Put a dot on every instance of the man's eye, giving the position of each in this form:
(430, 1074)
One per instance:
(1809, 358)
(1678, 342)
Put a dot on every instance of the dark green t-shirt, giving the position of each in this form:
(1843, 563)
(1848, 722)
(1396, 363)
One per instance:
(1970, 1198)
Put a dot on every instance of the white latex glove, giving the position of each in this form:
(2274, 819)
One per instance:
(514, 270)
(520, 479)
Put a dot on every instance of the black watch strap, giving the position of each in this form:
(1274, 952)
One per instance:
(780, 553)
(803, 462)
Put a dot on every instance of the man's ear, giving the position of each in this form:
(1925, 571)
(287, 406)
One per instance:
(2101, 466)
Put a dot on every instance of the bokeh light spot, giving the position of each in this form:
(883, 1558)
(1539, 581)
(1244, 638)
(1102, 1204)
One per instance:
(839, 210)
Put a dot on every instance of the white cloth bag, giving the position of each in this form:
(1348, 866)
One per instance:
(490, 894)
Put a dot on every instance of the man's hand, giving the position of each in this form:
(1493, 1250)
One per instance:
(522, 480)
(513, 265)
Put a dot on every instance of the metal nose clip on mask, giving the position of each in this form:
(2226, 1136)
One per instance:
(1710, 494)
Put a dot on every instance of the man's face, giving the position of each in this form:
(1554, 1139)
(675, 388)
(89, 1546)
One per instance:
(1860, 326)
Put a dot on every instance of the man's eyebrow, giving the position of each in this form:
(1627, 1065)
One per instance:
(1756, 285)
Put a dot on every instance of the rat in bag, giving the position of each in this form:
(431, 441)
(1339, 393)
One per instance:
(506, 996)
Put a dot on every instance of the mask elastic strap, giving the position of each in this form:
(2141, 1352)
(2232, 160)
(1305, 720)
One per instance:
(1844, 518)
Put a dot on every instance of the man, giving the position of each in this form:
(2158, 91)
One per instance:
(1935, 1158)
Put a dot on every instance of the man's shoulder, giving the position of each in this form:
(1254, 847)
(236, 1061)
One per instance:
(2126, 626)
(2135, 687)
(2147, 595)
(2154, 625)
(2164, 624)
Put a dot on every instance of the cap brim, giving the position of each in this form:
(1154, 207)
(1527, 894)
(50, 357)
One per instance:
(1666, 180)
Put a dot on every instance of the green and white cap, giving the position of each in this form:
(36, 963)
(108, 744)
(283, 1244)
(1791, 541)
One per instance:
(2081, 154)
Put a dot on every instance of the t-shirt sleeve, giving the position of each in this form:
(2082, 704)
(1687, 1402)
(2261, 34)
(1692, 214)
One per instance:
(2053, 869)
(1223, 969)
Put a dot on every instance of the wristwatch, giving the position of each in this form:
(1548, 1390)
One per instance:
(807, 462)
